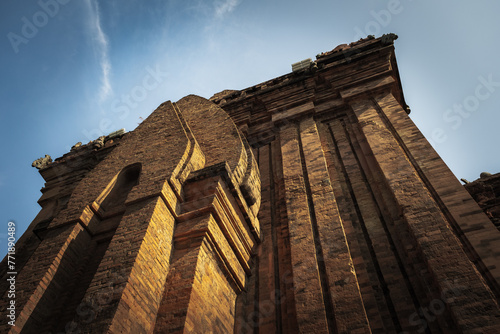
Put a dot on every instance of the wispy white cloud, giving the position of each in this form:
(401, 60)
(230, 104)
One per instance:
(224, 7)
(101, 45)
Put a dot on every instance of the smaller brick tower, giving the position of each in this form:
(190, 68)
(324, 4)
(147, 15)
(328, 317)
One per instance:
(486, 192)
(99, 257)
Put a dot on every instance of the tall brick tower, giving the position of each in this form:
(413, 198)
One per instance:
(309, 203)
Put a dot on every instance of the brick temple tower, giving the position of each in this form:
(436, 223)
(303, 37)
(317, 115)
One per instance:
(309, 203)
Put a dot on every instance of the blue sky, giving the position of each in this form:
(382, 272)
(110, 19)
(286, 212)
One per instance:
(71, 70)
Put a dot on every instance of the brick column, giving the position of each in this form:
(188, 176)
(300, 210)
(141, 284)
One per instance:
(444, 256)
(481, 238)
(326, 293)
(45, 275)
(125, 294)
(308, 294)
(213, 243)
(341, 278)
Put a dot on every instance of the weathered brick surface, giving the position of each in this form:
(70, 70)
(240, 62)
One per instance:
(427, 224)
(362, 227)
(212, 253)
(367, 228)
(223, 143)
(334, 252)
(61, 177)
(140, 253)
(309, 293)
(105, 253)
(411, 264)
(187, 305)
(397, 280)
(486, 192)
(481, 240)
(45, 275)
(284, 294)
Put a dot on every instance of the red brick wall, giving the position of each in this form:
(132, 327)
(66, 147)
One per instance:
(346, 166)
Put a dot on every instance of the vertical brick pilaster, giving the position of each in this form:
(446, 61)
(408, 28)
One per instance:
(179, 285)
(340, 275)
(198, 296)
(480, 237)
(125, 292)
(307, 287)
(45, 276)
(149, 258)
(285, 297)
(384, 278)
(444, 256)
(266, 307)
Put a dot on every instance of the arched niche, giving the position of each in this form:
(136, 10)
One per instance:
(112, 199)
